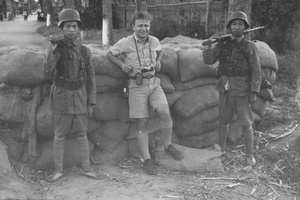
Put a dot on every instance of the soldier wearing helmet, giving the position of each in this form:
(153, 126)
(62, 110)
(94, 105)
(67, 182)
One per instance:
(239, 80)
(73, 91)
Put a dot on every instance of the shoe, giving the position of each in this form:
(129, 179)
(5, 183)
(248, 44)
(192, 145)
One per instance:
(251, 161)
(54, 177)
(149, 168)
(174, 152)
(91, 174)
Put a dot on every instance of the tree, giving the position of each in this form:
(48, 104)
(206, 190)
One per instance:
(107, 22)
(141, 5)
(50, 12)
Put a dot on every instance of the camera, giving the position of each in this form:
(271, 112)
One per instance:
(147, 69)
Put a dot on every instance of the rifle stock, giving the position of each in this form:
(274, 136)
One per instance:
(214, 40)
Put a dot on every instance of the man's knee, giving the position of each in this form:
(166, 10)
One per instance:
(164, 112)
(81, 134)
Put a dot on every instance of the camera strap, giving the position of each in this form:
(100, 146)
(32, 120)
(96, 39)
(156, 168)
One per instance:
(137, 51)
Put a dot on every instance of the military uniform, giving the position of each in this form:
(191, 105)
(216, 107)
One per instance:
(72, 91)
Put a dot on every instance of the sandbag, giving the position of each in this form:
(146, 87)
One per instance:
(109, 135)
(111, 106)
(46, 159)
(99, 156)
(7, 49)
(268, 74)
(191, 65)
(44, 126)
(93, 125)
(195, 100)
(11, 104)
(203, 122)
(172, 98)
(266, 55)
(201, 141)
(22, 68)
(260, 107)
(198, 82)
(181, 42)
(165, 83)
(153, 125)
(107, 83)
(103, 66)
(169, 63)
(266, 94)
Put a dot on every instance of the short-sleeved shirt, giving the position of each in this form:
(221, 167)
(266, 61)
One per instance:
(146, 56)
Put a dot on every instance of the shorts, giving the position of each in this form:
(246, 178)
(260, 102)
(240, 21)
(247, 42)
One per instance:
(64, 124)
(229, 105)
(150, 92)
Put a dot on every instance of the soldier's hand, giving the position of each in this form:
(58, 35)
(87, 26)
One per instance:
(126, 68)
(54, 39)
(252, 97)
(90, 111)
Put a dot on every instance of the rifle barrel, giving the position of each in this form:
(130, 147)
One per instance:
(211, 41)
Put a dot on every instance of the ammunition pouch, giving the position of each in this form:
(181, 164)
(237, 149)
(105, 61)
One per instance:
(68, 84)
(233, 71)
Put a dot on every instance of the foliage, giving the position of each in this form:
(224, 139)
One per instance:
(289, 70)
(279, 17)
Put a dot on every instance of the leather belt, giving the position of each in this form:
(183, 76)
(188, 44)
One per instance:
(67, 84)
(149, 76)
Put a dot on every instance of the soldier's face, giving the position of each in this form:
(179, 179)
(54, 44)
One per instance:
(141, 28)
(237, 27)
(70, 30)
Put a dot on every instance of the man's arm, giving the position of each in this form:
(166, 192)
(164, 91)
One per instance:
(117, 61)
(158, 60)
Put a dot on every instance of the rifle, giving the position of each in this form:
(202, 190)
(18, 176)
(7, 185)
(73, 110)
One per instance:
(222, 37)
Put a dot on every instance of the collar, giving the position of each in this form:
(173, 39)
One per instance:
(138, 40)
(238, 39)
(72, 43)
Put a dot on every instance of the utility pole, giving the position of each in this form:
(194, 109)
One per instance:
(107, 36)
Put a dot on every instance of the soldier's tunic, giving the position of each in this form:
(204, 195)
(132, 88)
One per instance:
(74, 87)
(240, 74)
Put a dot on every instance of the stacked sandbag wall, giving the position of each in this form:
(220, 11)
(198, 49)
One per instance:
(188, 83)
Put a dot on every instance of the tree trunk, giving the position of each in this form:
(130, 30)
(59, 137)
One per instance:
(141, 6)
(70, 4)
(50, 12)
(107, 23)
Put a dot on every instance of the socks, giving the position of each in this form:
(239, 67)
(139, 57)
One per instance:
(84, 152)
(223, 133)
(143, 141)
(58, 149)
(248, 137)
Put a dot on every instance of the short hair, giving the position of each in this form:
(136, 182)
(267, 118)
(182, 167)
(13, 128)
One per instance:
(141, 15)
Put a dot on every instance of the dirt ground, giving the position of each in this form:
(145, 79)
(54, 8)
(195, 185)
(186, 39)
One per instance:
(126, 181)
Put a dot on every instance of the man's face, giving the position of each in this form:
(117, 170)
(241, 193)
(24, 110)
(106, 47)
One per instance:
(237, 27)
(70, 30)
(141, 28)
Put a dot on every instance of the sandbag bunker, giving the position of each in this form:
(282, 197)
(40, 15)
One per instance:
(188, 83)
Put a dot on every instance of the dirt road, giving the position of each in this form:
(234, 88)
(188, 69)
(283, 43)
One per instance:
(21, 33)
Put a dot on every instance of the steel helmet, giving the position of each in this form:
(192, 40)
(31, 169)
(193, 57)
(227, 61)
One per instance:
(68, 14)
(238, 15)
